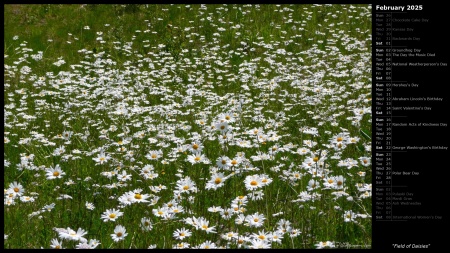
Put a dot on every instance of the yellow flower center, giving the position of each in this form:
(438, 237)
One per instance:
(137, 196)
(264, 180)
(197, 158)
(119, 234)
(154, 156)
(205, 227)
(57, 247)
(253, 183)
(185, 187)
(227, 117)
(339, 139)
(182, 234)
(218, 180)
(56, 173)
(112, 216)
(233, 162)
(339, 183)
(315, 159)
(262, 237)
(16, 189)
(102, 159)
(195, 146)
(255, 219)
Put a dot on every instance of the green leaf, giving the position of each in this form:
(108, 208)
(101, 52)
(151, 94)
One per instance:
(365, 135)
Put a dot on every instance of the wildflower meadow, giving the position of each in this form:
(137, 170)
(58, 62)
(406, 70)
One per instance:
(187, 126)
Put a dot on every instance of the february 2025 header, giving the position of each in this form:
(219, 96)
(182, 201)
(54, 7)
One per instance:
(398, 7)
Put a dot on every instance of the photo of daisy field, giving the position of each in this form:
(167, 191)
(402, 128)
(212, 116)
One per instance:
(173, 126)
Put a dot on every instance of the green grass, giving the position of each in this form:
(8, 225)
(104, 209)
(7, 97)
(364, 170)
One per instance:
(168, 66)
